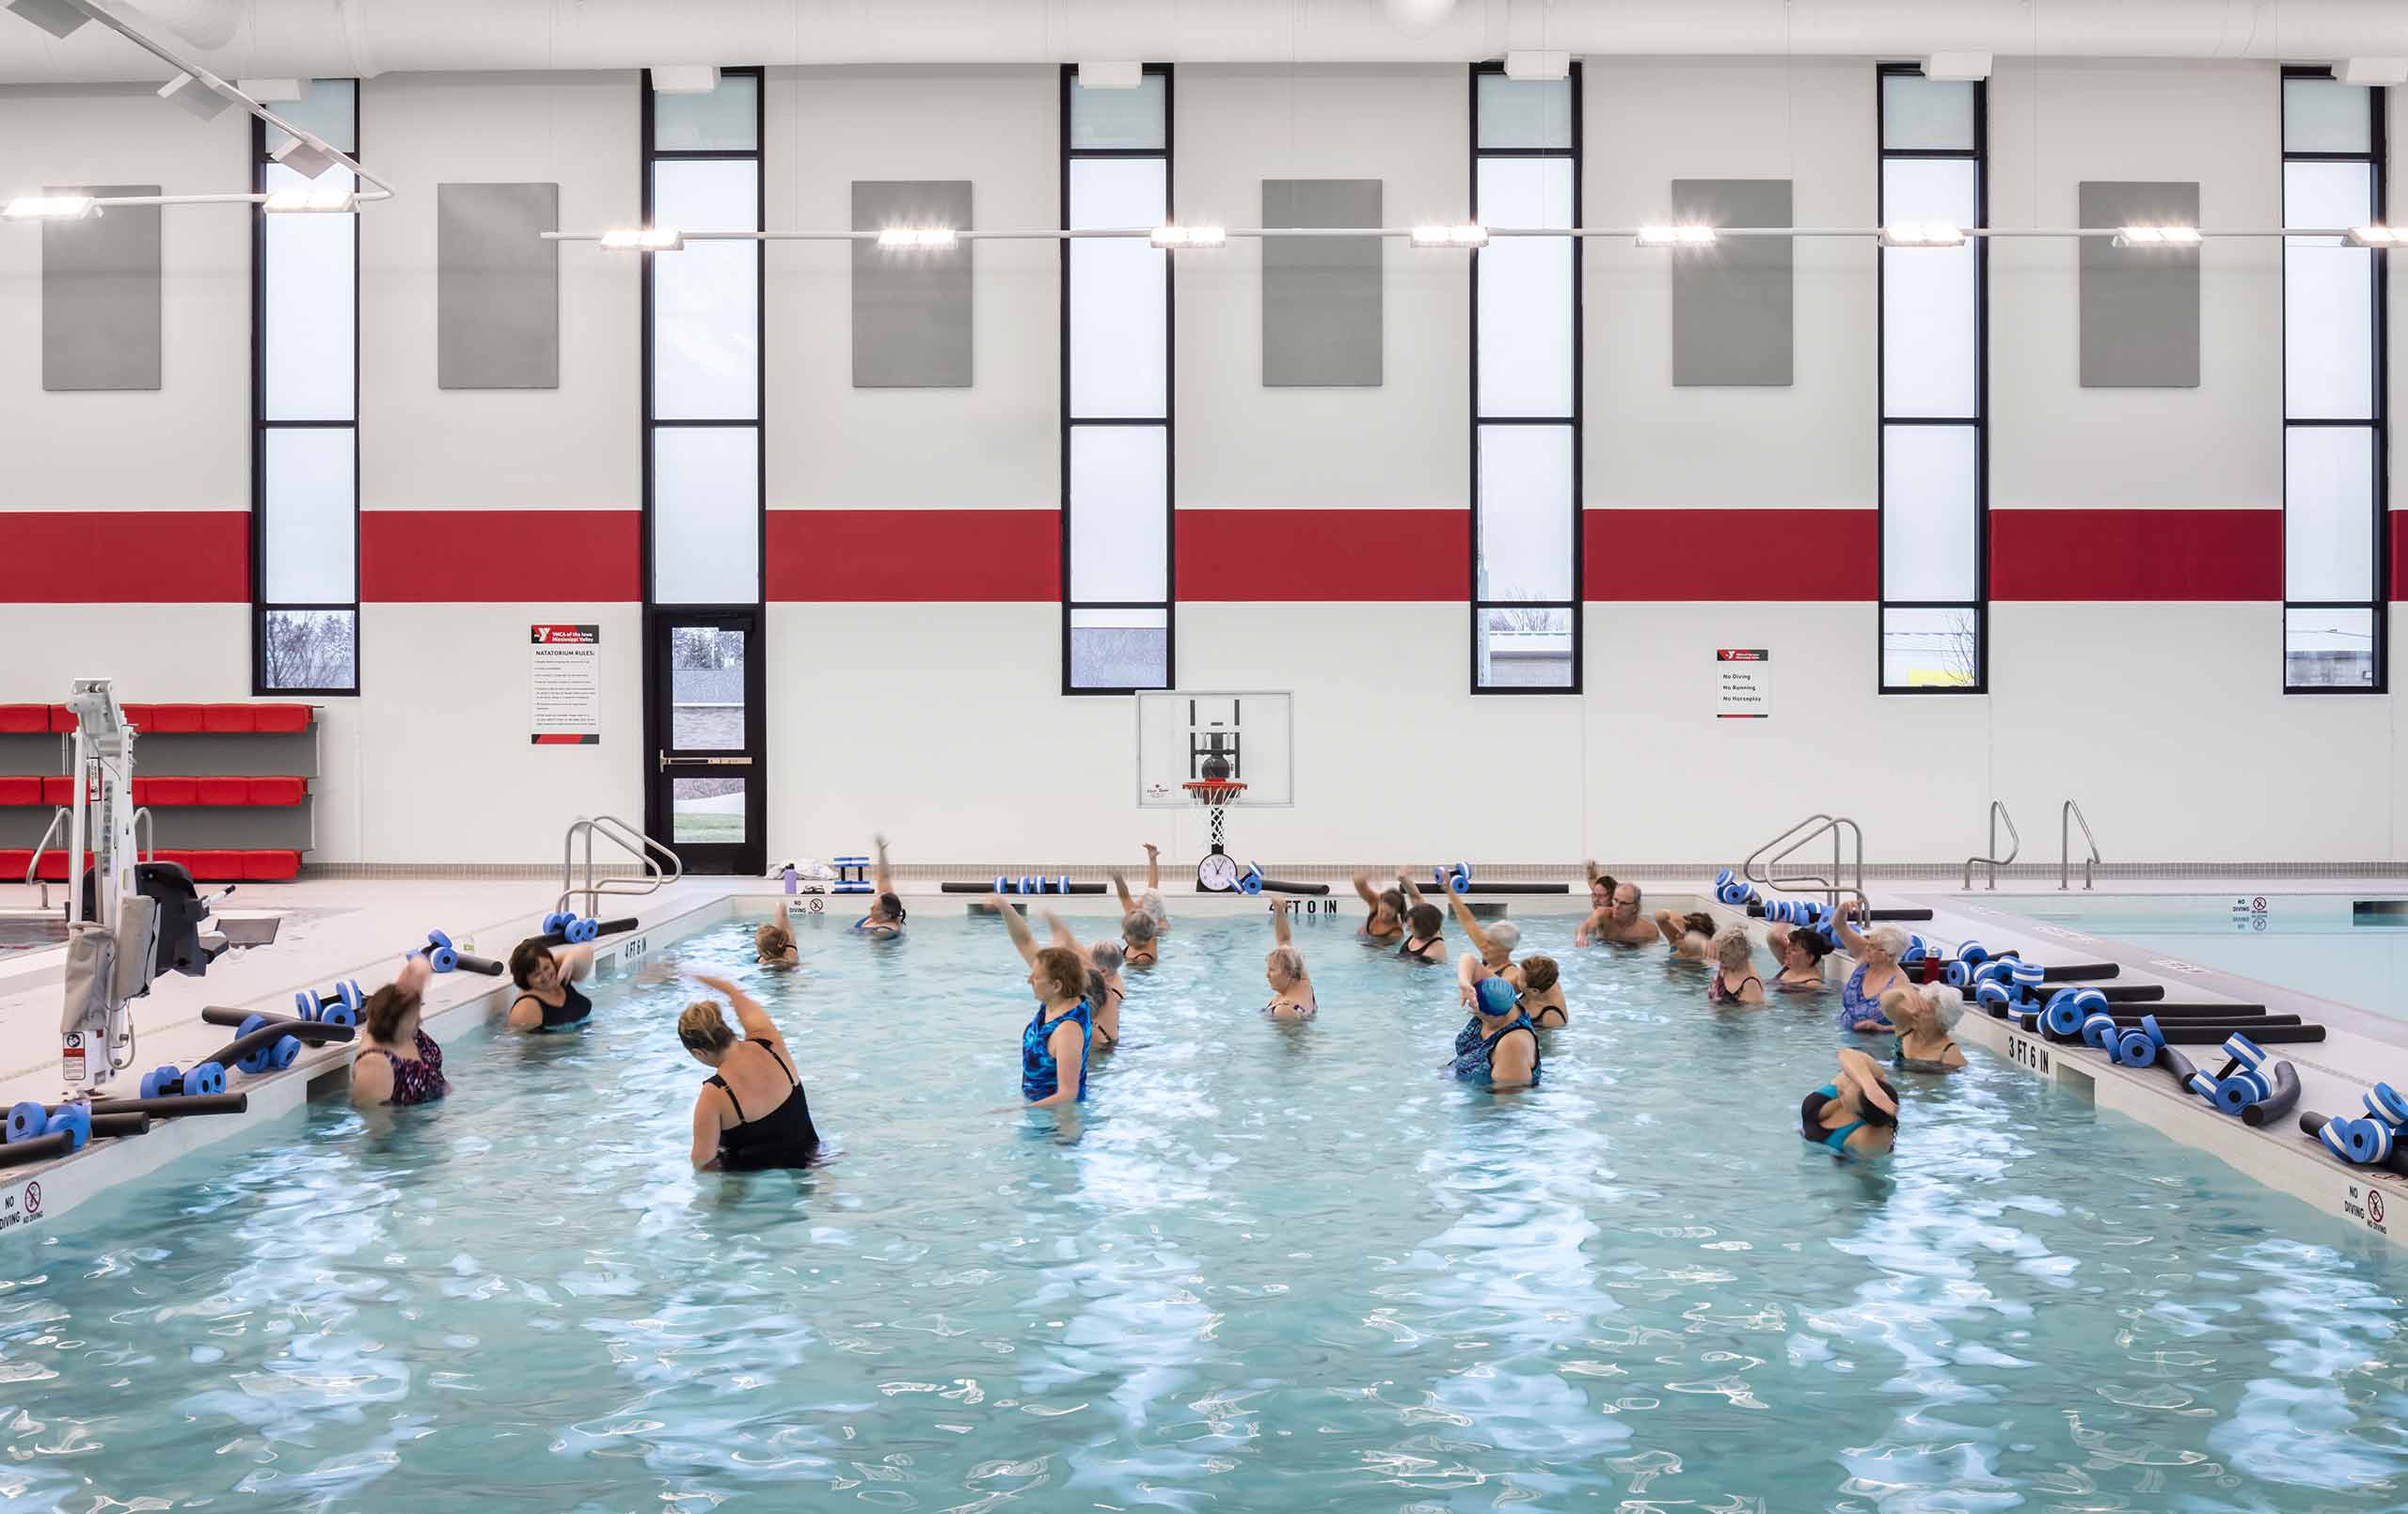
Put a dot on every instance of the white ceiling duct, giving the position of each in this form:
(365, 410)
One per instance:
(368, 37)
(205, 24)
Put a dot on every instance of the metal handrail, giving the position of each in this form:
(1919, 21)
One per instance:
(2015, 840)
(2067, 818)
(33, 864)
(628, 838)
(141, 818)
(1812, 829)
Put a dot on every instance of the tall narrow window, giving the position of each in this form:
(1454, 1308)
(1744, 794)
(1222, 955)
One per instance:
(1934, 466)
(304, 412)
(1525, 385)
(1117, 538)
(2334, 488)
(703, 383)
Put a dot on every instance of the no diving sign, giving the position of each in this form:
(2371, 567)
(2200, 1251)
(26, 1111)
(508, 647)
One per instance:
(1742, 683)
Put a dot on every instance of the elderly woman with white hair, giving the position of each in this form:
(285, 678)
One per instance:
(1492, 951)
(1877, 971)
(1923, 1018)
(1735, 976)
(1283, 968)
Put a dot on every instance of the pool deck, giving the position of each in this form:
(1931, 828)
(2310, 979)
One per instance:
(334, 929)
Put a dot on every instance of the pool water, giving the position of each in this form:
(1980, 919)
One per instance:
(2315, 943)
(1269, 1266)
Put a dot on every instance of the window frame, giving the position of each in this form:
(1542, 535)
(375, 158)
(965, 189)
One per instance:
(261, 606)
(1979, 422)
(1576, 421)
(1168, 422)
(2378, 426)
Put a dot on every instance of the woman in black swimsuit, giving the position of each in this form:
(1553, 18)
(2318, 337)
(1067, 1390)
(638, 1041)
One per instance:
(1424, 935)
(1386, 922)
(1543, 993)
(751, 1113)
(546, 977)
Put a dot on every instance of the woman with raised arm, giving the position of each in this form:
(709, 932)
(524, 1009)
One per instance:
(1689, 936)
(1283, 968)
(1923, 1018)
(1601, 888)
(1856, 1114)
(884, 920)
(1799, 950)
(755, 1074)
(1138, 929)
(1876, 954)
(1054, 1046)
(1151, 900)
(1424, 926)
(547, 977)
(1500, 1046)
(1385, 923)
(774, 944)
(393, 1062)
(1103, 993)
(1492, 950)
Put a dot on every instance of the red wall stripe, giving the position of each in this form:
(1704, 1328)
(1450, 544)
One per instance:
(2136, 554)
(886, 555)
(1327, 554)
(437, 557)
(1723, 555)
(116, 557)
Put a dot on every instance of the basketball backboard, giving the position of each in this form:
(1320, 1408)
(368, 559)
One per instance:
(1180, 730)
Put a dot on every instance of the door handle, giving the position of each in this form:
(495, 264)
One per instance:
(703, 761)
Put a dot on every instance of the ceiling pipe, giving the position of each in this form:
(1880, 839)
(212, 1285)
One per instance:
(280, 38)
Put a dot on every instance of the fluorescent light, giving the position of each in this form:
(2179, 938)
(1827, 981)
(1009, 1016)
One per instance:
(57, 17)
(1933, 235)
(194, 96)
(1115, 75)
(321, 201)
(686, 79)
(1676, 236)
(643, 239)
(930, 238)
(2157, 236)
(1538, 63)
(1188, 236)
(49, 208)
(1469, 234)
(1960, 66)
(304, 158)
(2376, 236)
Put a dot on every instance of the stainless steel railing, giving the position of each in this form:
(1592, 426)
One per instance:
(1993, 861)
(628, 838)
(2067, 818)
(1758, 867)
(33, 865)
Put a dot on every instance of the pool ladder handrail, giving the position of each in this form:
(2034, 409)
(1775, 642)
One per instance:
(2068, 818)
(2014, 847)
(628, 838)
(1809, 829)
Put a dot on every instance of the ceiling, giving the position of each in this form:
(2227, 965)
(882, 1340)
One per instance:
(273, 39)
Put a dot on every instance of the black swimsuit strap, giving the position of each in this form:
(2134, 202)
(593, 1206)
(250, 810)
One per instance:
(784, 1065)
(721, 1083)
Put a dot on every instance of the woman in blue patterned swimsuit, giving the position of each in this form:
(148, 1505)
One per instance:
(1876, 953)
(1054, 1048)
(1499, 1047)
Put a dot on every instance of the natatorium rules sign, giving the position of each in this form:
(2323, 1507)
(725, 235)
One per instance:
(567, 685)
(1742, 683)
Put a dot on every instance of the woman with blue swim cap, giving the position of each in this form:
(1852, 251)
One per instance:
(1499, 1047)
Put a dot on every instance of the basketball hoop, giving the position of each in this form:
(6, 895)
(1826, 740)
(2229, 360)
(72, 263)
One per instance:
(1217, 871)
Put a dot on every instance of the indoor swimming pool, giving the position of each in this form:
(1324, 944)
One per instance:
(1266, 1266)
(2350, 949)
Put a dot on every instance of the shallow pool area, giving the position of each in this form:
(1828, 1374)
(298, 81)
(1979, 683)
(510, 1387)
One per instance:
(2332, 945)
(1265, 1267)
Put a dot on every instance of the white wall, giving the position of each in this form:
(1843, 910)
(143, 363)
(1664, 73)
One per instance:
(943, 723)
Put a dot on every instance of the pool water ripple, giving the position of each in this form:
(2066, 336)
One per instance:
(1266, 1266)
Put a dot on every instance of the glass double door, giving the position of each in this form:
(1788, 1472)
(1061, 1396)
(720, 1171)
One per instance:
(703, 728)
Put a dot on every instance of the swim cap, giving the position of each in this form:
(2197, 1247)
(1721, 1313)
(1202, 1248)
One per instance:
(1495, 996)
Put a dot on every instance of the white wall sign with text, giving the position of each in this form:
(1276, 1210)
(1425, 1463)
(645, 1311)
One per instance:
(567, 700)
(1742, 683)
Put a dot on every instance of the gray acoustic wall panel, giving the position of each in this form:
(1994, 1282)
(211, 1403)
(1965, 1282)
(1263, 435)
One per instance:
(1322, 296)
(2140, 305)
(496, 287)
(912, 307)
(100, 294)
(1733, 304)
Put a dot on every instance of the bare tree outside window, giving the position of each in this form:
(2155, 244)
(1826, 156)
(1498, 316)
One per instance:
(310, 649)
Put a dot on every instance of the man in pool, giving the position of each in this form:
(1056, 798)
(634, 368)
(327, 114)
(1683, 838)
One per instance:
(1619, 923)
